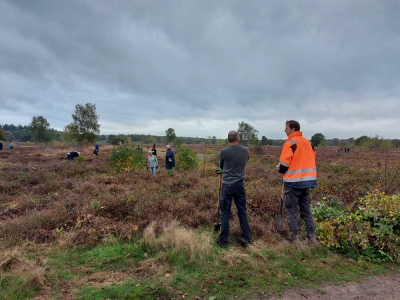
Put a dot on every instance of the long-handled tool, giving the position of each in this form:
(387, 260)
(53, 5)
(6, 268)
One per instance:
(279, 222)
(217, 226)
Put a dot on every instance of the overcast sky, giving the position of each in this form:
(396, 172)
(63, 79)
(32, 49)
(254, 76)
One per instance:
(201, 67)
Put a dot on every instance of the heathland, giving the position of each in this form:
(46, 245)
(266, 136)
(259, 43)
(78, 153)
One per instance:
(88, 230)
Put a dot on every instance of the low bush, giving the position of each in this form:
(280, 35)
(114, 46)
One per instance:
(187, 159)
(371, 231)
(125, 158)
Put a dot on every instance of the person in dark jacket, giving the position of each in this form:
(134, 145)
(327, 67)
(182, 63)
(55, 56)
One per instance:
(169, 160)
(1, 145)
(71, 155)
(298, 166)
(153, 150)
(96, 149)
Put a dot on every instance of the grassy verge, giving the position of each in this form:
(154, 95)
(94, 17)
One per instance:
(173, 262)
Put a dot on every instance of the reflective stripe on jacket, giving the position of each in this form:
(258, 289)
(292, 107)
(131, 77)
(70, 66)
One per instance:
(298, 155)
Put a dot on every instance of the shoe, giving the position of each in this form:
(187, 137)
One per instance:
(244, 243)
(311, 240)
(222, 245)
(293, 238)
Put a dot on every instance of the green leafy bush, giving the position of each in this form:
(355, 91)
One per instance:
(81, 158)
(371, 231)
(124, 158)
(187, 159)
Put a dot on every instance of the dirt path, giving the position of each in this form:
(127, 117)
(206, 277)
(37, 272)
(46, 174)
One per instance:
(376, 288)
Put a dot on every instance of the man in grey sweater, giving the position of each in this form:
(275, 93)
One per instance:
(232, 163)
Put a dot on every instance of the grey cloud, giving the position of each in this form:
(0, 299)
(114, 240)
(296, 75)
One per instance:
(202, 62)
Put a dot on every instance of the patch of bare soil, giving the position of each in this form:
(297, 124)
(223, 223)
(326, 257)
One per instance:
(372, 288)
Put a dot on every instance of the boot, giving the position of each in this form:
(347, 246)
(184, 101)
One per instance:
(293, 238)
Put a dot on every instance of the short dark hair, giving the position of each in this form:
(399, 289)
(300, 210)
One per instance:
(293, 124)
(233, 136)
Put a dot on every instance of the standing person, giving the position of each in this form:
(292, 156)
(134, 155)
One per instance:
(11, 145)
(154, 150)
(1, 145)
(169, 160)
(232, 163)
(297, 164)
(96, 149)
(71, 155)
(152, 162)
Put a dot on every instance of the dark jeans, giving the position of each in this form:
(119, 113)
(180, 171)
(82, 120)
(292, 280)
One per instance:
(295, 200)
(237, 192)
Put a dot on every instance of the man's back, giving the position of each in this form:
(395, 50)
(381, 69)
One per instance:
(233, 161)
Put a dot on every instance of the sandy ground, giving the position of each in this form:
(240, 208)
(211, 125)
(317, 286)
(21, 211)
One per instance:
(376, 288)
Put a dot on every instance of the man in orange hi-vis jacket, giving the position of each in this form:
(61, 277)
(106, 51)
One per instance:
(297, 164)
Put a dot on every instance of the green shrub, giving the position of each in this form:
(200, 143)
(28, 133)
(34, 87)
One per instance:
(81, 159)
(329, 208)
(187, 159)
(124, 158)
(370, 232)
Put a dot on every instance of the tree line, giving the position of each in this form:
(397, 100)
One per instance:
(85, 128)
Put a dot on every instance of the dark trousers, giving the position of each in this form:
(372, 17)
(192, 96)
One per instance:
(237, 192)
(295, 200)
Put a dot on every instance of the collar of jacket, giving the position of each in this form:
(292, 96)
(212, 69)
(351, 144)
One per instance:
(293, 134)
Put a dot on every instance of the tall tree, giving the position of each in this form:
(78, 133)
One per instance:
(170, 135)
(40, 130)
(248, 134)
(85, 127)
(317, 139)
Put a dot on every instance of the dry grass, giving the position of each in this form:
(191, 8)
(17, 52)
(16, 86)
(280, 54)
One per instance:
(180, 239)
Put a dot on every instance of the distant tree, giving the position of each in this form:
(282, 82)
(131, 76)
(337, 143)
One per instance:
(396, 143)
(361, 140)
(222, 142)
(85, 127)
(40, 130)
(317, 138)
(170, 135)
(248, 134)
(10, 136)
(102, 138)
(264, 141)
(335, 142)
(68, 133)
(3, 136)
(323, 143)
(214, 140)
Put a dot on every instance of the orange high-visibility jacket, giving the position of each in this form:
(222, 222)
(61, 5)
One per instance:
(297, 162)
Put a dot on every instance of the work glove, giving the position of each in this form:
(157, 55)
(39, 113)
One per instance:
(218, 171)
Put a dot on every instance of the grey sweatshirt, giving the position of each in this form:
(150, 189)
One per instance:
(233, 160)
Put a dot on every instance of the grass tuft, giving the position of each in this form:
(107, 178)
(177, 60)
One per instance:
(194, 246)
